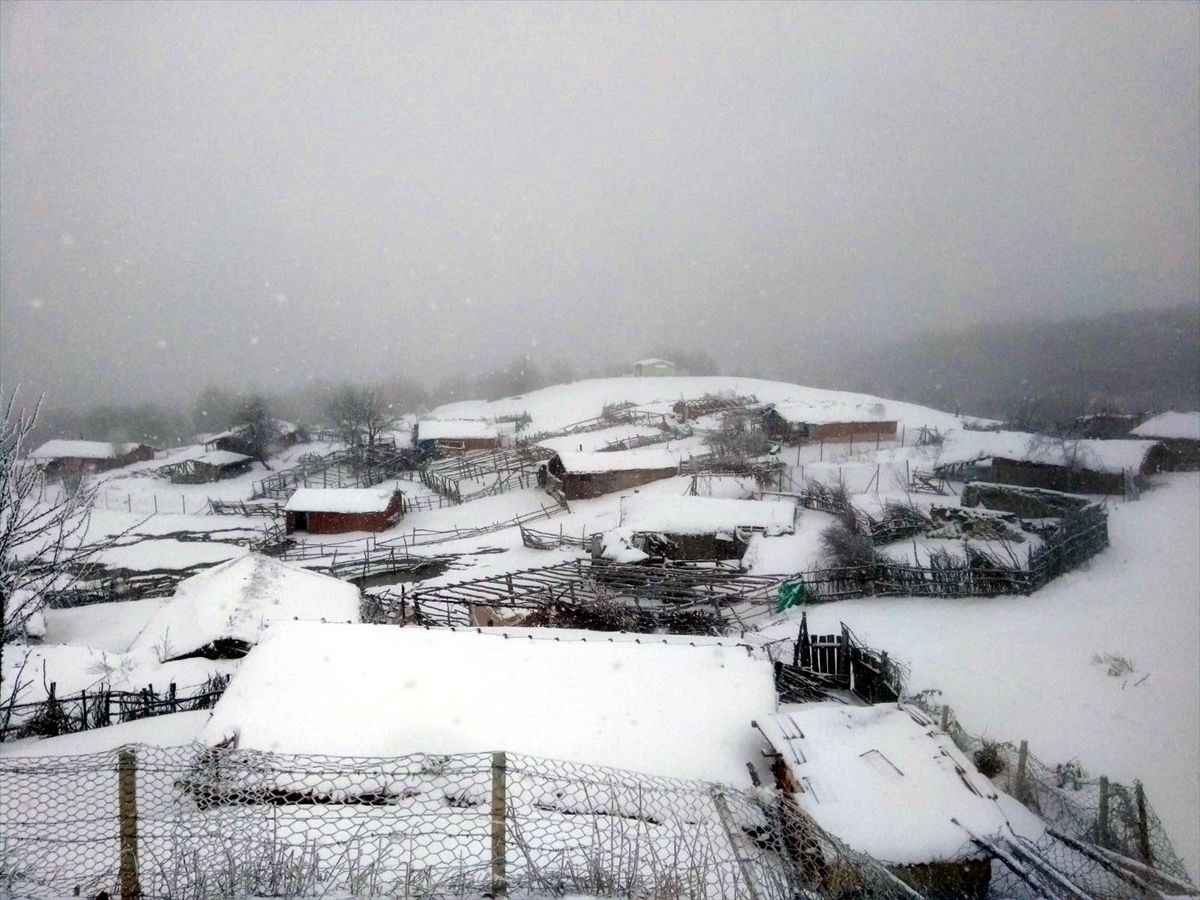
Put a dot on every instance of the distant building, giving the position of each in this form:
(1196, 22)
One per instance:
(702, 527)
(582, 475)
(215, 465)
(1179, 432)
(1106, 425)
(799, 423)
(646, 368)
(436, 438)
(238, 440)
(65, 458)
(340, 510)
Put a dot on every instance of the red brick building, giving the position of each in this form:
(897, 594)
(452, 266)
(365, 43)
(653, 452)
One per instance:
(341, 510)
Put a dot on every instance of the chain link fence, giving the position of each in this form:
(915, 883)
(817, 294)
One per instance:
(1101, 816)
(197, 822)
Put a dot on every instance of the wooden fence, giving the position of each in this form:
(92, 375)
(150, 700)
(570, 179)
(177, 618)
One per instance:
(83, 711)
(822, 663)
(268, 509)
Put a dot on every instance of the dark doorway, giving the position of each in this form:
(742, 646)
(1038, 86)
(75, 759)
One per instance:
(300, 522)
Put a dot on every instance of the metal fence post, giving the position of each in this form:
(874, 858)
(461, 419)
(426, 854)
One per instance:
(131, 888)
(499, 804)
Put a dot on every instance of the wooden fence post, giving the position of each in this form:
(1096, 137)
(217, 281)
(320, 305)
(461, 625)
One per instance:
(1143, 824)
(1022, 762)
(499, 825)
(131, 888)
(1102, 816)
(946, 718)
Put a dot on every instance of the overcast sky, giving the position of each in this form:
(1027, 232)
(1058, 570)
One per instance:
(223, 193)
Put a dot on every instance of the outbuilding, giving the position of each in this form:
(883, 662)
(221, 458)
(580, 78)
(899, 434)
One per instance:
(436, 438)
(67, 458)
(240, 439)
(341, 510)
(1179, 432)
(888, 783)
(581, 475)
(800, 423)
(651, 368)
(215, 465)
(702, 527)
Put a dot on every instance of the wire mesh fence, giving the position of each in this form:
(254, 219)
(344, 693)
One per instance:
(197, 822)
(1102, 814)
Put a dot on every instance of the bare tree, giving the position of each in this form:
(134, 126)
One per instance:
(361, 415)
(43, 528)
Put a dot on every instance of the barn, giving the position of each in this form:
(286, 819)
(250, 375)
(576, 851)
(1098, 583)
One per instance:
(215, 465)
(885, 781)
(436, 438)
(341, 510)
(67, 458)
(651, 368)
(702, 527)
(799, 423)
(238, 440)
(582, 475)
(1179, 432)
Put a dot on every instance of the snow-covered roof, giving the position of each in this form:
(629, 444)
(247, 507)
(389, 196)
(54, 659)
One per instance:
(280, 426)
(454, 429)
(827, 413)
(653, 361)
(60, 448)
(619, 460)
(385, 691)
(1171, 425)
(1094, 454)
(705, 515)
(221, 458)
(238, 599)
(340, 500)
(886, 781)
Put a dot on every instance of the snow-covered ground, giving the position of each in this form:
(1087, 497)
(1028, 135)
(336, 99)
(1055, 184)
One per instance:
(1012, 667)
(1021, 667)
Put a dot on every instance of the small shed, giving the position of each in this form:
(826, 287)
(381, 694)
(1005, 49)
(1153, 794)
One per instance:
(798, 423)
(215, 465)
(436, 438)
(702, 527)
(652, 367)
(222, 612)
(70, 458)
(1082, 466)
(888, 783)
(581, 475)
(237, 440)
(1179, 432)
(340, 510)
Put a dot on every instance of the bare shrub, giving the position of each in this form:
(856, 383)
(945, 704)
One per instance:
(989, 760)
(1114, 664)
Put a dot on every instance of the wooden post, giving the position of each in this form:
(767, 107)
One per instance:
(172, 696)
(1102, 816)
(903, 433)
(155, 496)
(1022, 762)
(131, 888)
(1143, 824)
(499, 825)
(946, 718)
(83, 725)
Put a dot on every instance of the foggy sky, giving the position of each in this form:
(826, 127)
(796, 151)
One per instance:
(232, 193)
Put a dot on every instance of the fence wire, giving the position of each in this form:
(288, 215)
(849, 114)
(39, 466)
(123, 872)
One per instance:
(191, 823)
(1102, 814)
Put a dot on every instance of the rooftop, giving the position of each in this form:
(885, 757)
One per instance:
(583, 463)
(1171, 425)
(340, 500)
(455, 429)
(706, 515)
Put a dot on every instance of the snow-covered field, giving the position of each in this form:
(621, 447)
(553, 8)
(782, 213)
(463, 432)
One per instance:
(1011, 667)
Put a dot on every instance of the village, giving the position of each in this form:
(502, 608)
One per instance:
(653, 636)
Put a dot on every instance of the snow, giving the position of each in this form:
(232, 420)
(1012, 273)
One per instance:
(705, 515)
(105, 626)
(1184, 425)
(174, 730)
(1017, 667)
(340, 500)
(65, 449)
(886, 781)
(672, 710)
(222, 458)
(652, 361)
(1098, 455)
(830, 411)
(621, 460)
(149, 555)
(454, 429)
(239, 599)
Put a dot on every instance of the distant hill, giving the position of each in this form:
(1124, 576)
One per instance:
(1139, 360)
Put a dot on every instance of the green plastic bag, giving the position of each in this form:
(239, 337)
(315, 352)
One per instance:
(791, 593)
